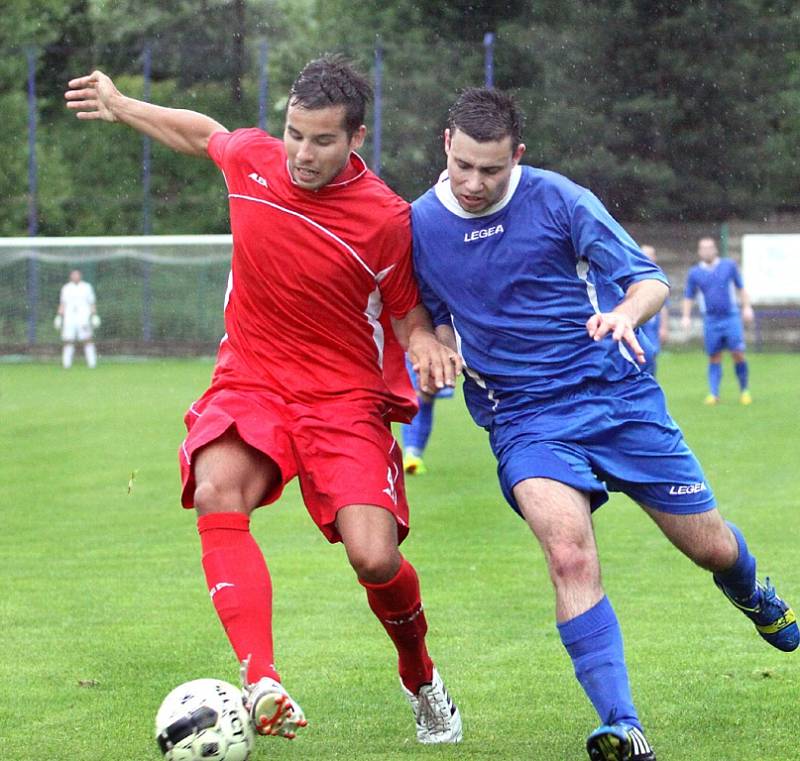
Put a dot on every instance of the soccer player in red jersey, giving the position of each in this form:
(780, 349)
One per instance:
(309, 374)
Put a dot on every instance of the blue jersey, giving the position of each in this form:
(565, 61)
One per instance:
(652, 329)
(519, 282)
(716, 284)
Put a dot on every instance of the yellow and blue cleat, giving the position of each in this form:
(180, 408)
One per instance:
(413, 465)
(711, 400)
(619, 742)
(745, 398)
(774, 620)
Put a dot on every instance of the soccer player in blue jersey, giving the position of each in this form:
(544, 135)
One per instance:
(416, 433)
(657, 327)
(715, 282)
(541, 291)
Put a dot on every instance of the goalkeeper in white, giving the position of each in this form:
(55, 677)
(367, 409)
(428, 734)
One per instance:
(76, 319)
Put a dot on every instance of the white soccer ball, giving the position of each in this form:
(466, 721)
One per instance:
(204, 720)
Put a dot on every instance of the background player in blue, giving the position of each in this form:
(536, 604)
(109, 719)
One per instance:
(657, 327)
(541, 290)
(416, 433)
(715, 282)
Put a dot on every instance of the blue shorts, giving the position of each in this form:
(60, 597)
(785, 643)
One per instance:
(723, 333)
(602, 437)
(443, 393)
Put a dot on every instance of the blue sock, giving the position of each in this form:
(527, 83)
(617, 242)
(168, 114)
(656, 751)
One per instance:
(714, 377)
(740, 580)
(416, 433)
(594, 642)
(742, 374)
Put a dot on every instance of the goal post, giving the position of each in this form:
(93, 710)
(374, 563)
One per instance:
(156, 294)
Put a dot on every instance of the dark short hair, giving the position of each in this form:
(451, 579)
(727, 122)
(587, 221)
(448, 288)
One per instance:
(332, 81)
(486, 114)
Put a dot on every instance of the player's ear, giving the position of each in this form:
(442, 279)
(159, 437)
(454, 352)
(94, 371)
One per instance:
(447, 140)
(518, 153)
(357, 138)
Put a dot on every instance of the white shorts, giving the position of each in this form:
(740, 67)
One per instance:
(76, 331)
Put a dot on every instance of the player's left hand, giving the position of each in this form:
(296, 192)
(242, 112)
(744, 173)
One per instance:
(95, 320)
(620, 326)
(748, 315)
(436, 365)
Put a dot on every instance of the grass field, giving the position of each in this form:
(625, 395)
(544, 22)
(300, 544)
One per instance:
(104, 608)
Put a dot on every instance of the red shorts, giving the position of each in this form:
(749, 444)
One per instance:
(343, 452)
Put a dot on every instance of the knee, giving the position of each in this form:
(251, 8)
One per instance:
(374, 565)
(209, 497)
(572, 562)
(716, 557)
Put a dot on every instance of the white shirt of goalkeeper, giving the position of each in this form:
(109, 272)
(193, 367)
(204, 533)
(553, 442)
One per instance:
(77, 299)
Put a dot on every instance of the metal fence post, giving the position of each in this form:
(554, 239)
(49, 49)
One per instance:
(33, 210)
(378, 113)
(263, 83)
(147, 225)
(488, 59)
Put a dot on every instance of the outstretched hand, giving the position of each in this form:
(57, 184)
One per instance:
(436, 365)
(90, 96)
(620, 326)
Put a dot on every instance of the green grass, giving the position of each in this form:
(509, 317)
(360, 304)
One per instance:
(104, 608)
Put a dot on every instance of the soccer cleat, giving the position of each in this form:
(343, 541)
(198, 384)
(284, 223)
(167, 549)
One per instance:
(745, 398)
(774, 620)
(272, 711)
(619, 742)
(436, 715)
(711, 400)
(413, 465)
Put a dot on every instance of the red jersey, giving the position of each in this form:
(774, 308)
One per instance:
(314, 276)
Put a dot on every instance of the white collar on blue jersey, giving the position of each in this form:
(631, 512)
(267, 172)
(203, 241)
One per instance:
(445, 194)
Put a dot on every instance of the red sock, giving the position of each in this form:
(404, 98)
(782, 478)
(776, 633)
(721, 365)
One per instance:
(398, 607)
(240, 588)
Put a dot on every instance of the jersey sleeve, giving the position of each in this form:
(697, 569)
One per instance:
(217, 144)
(736, 276)
(690, 291)
(396, 276)
(598, 237)
(440, 314)
(90, 298)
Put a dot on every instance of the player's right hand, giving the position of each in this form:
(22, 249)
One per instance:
(91, 96)
(58, 322)
(436, 365)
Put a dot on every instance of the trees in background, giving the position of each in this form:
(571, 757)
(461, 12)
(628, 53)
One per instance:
(667, 109)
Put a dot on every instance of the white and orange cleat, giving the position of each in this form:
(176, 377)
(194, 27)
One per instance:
(272, 710)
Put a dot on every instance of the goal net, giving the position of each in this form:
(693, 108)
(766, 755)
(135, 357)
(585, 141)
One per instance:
(156, 294)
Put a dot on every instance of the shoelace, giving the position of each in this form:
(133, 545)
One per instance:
(769, 593)
(433, 711)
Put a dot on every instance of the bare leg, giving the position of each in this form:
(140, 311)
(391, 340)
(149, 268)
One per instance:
(560, 518)
(703, 537)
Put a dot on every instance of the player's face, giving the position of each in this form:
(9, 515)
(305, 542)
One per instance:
(75, 276)
(707, 250)
(317, 144)
(479, 172)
